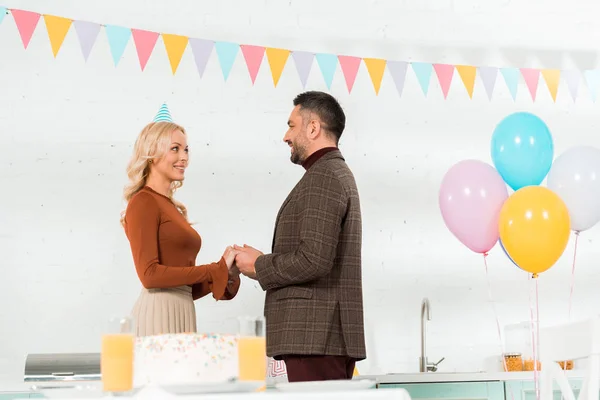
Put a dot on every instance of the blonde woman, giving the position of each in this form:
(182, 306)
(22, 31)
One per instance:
(163, 243)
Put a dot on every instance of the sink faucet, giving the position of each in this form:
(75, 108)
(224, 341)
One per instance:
(424, 365)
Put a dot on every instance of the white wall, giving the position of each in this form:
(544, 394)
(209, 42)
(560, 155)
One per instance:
(68, 128)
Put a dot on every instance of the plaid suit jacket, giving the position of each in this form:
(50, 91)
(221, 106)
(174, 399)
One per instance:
(313, 277)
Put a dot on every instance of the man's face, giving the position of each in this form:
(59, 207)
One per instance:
(296, 137)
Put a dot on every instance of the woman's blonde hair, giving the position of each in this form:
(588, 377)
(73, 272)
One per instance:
(151, 144)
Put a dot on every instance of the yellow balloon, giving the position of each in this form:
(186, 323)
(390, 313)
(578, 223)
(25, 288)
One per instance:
(534, 227)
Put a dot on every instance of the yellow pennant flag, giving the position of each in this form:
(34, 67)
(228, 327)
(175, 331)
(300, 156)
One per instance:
(57, 28)
(376, 68)
(467, 74)
(277, 59)
(175, 46)
(552, 78)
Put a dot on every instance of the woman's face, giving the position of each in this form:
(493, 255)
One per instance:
(175, 160)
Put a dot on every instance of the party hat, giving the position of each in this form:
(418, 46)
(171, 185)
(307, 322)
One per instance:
(163, 114)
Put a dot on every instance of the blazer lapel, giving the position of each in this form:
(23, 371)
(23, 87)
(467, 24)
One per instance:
(285, 202)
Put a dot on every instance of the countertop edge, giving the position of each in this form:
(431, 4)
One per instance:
(442, 377)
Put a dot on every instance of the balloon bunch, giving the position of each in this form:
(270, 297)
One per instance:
(533, 224)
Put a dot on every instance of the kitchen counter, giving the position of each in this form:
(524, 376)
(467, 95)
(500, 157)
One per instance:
(400, 378)
(440, 377)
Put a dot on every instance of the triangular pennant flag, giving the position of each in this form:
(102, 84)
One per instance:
(573, 78)
(511, 78)
(423, 73)
(592, 76)
(253, 56)
(277, 59)
(3, 11)
(175, 47)
(26, 22)
(201, 49)
(163, 114)
(327, 64)
(87, 32)
(552, 78)
(57, 28)
(118, 37)
(349, 65)
(376, 68)
(488, 76)
(531, 77)
(444, 72)
(303, 61)
(144, 44)
(398, 72)
(226, 52)
(467, 74)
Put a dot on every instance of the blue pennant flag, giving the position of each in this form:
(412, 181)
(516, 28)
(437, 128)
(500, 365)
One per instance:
(328, 65)
(3, 11)
(423, 72)
(592, 77)
(227, 53)
(118, 37)
(511, 77)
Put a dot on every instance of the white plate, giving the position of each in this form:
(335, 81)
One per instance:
(326, 386)
(205, 388)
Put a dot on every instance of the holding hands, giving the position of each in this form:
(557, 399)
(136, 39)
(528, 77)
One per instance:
(229, 256)
(241, 259)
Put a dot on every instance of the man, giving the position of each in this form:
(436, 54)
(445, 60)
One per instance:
(313, 303)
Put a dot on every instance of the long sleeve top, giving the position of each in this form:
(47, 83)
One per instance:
(164, 248)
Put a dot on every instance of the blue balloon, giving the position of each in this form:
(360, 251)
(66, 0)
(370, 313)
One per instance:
(507, 255)
(522, 150)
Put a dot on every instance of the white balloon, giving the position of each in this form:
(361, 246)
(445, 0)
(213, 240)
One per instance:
(575, 178)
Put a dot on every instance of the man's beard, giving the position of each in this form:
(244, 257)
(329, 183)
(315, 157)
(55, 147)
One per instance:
(297, 156)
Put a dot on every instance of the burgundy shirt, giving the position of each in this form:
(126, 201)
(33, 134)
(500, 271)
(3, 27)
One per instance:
(316, 155)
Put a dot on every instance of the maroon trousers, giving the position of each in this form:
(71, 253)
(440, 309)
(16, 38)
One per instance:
(303, 368)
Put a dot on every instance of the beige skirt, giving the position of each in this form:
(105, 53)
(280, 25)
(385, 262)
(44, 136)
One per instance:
(163, 311)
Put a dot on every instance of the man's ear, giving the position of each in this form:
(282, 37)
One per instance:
(314, 129)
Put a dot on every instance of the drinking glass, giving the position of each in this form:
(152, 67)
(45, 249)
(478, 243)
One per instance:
(116, 357)
(252, 349)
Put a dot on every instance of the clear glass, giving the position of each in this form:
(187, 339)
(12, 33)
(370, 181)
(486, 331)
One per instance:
(116, 357)
(252, 349)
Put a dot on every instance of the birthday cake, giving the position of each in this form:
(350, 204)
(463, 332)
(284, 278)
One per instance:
(185, 358)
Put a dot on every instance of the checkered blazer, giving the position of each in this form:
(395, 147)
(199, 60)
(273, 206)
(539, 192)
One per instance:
(312, 278)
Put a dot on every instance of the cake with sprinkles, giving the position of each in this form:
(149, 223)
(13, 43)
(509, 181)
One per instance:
(185, 358)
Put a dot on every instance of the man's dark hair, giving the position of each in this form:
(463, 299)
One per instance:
(327, 108)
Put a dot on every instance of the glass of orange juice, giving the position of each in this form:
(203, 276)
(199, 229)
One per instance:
(116, 356)
(252, 355)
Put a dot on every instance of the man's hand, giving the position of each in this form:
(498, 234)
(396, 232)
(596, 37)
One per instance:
(245, 258)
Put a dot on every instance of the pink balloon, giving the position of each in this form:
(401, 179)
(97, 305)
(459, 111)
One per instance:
(471, 196)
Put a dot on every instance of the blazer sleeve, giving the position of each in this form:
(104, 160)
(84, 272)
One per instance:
(323, 206)
(142, 221)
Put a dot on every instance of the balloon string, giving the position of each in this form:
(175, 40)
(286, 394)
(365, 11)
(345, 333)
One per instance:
(573, 274)
(535, 334)
(489, 287)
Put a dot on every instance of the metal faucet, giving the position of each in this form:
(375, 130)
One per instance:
(424, 365)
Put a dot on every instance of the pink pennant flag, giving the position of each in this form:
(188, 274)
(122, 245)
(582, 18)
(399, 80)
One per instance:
(444, 72)
(144, 44)
(350, 67)
(531, 77)
(26, 22)
(253, 56)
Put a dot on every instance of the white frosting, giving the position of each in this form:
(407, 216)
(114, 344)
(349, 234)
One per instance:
(185, 358)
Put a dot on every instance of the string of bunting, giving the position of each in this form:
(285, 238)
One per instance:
(277, 58)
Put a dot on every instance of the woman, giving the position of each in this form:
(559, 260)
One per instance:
(163, 243)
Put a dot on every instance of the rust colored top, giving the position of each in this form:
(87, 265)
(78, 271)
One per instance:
(164, 248)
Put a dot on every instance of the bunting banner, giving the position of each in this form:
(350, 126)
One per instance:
(276, 60)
